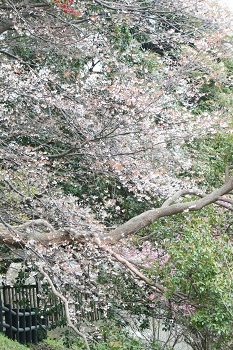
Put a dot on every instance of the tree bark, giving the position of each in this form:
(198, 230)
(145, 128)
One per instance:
(42, 231)
(147, 218)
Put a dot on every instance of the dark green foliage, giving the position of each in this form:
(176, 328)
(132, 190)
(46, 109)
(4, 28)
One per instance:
(27, 53)
(5, 261)
(33, 141)
(211, 154)
(122, 36)
(98, 190)
(199, 266)
(216, 93)
(124, 294)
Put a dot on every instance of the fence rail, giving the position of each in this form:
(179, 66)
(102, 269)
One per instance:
(20, 318)
(27, 310)
(19, 324)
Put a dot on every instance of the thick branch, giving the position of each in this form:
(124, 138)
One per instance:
(147, 218)
(38, 230)
(221, 200)
(42, 231)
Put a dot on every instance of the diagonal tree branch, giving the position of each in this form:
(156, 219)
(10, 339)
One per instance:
(147, 218)
(117, 6)
(32, 229)
(156, 287)
(183, 193)
(66, 305)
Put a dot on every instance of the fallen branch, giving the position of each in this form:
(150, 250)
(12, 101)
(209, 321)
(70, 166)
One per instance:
(116, 6)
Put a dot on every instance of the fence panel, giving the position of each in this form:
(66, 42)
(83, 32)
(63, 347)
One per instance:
(27, 311)
(19, 324)
(18, 312)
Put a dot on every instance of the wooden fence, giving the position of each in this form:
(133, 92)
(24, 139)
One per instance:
(27, 311)
(19, 314)
(20, 296)
(20, 324)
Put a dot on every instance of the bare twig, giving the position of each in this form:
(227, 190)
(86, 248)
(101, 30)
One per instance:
(7, 6)
(116, 6)
(66, 304)
(159, 289)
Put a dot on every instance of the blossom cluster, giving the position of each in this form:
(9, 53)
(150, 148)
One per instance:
(66, 6)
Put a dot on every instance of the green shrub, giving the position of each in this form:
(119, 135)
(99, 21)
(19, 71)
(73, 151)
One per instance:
(8, 344)
(55, 344)
(210, 155)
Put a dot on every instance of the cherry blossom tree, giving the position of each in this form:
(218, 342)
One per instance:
(98, 103)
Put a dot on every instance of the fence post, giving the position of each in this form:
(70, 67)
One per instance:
(8, 319)
(34, 323)
(15, 323)
(22, 324)
(1, 317)
(28, 319)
